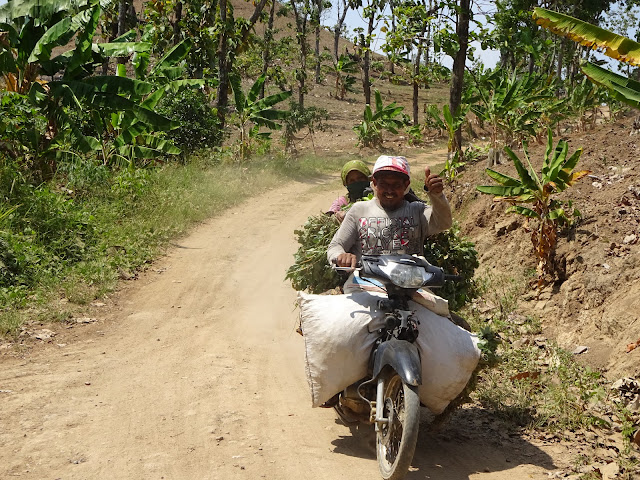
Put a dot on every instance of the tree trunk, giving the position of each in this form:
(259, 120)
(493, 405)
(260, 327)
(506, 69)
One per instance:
(366, 83)
(416, 87)
(122, 24)
(317, 50)
(268, 37)
(177, 13)
(338, 28)
(223, 67)
(560, 60)
(457, 72)
(301, 36)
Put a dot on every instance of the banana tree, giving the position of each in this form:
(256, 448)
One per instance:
(342, 69)
(450, 124)
(386, 117)
(534, 196)
(511, 106)
(613, 45)
(254, 112)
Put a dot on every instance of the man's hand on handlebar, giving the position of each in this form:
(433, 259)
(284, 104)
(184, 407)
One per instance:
(348, 260)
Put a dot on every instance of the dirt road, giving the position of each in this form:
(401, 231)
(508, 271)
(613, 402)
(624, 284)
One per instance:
(195, 372)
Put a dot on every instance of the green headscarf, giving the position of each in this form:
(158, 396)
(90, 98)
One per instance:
(358, 165)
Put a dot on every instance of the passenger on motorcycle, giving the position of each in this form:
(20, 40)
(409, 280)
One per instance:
(389, 223)
(355, 176)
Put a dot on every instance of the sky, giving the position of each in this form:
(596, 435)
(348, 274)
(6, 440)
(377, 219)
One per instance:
(354, 20)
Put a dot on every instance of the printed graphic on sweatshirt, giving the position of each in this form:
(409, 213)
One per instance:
(380, 235)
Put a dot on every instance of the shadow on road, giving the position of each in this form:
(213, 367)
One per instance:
(471, 442)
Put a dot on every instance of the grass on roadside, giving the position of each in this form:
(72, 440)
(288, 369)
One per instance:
(127, 218)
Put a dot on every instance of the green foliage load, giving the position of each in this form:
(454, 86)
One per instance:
(448, 250)
(310, 270)
(456, 255)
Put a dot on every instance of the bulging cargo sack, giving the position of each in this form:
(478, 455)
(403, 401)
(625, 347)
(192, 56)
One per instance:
(425, 297)
(339, 334)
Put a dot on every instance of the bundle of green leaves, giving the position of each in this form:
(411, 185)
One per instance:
(448, 250)
(310, 270)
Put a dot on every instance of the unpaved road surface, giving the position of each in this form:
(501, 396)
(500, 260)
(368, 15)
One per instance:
(194, 371)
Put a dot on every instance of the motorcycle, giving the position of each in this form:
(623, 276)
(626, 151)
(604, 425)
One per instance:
(388, 396)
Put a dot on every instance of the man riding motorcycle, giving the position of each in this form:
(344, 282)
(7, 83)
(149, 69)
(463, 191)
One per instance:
(389, 223)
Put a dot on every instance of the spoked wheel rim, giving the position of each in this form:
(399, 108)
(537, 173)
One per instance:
(396, 441)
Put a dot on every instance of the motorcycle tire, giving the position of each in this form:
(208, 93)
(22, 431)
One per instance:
(396, 441)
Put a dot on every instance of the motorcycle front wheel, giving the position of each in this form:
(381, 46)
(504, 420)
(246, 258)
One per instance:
(396, 440)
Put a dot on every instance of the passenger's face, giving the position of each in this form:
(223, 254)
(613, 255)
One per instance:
(355, 176)
(389, 187)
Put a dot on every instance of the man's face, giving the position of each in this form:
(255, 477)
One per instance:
(389, 187)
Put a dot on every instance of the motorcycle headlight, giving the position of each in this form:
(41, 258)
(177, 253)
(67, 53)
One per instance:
(405, 276)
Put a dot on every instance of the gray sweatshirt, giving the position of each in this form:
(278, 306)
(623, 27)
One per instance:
(369, 229)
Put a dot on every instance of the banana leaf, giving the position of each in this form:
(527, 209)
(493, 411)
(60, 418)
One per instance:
(557, 161)
(272, 100)
(502, 179)
(119, 85)
(378, 100)
(565, 173)
(238, 94)
(58, 34)
(615, 46)
(623, 88)
(524, 211)
(40, 11)
(129, 36)
(120, 49)
(173, 56)
(83, 52)
(527, 180)
(7, 63)
(501, 191)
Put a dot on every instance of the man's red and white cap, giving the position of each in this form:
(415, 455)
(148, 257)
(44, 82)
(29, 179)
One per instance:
(392, 164)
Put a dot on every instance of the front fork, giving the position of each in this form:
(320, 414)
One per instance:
(377, 414)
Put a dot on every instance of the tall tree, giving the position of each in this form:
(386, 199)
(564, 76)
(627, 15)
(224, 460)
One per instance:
(234, 36)
(268, 44)
(343, 7)
(409, 23)
(318, 9)
(301, 11)
(463, 14)
(372, 13)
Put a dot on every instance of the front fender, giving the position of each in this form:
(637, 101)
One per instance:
(403, 357)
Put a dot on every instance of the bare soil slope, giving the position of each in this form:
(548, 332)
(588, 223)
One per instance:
(595, 302)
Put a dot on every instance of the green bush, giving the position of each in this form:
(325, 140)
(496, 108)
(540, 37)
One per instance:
(45, 231)
(199, 127)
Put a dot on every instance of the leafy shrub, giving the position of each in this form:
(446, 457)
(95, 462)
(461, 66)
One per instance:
(199, 126)
(22, 128)
(313, 118)
(44, 231)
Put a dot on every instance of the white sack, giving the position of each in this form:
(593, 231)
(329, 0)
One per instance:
(338, 340)
(339, 333)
